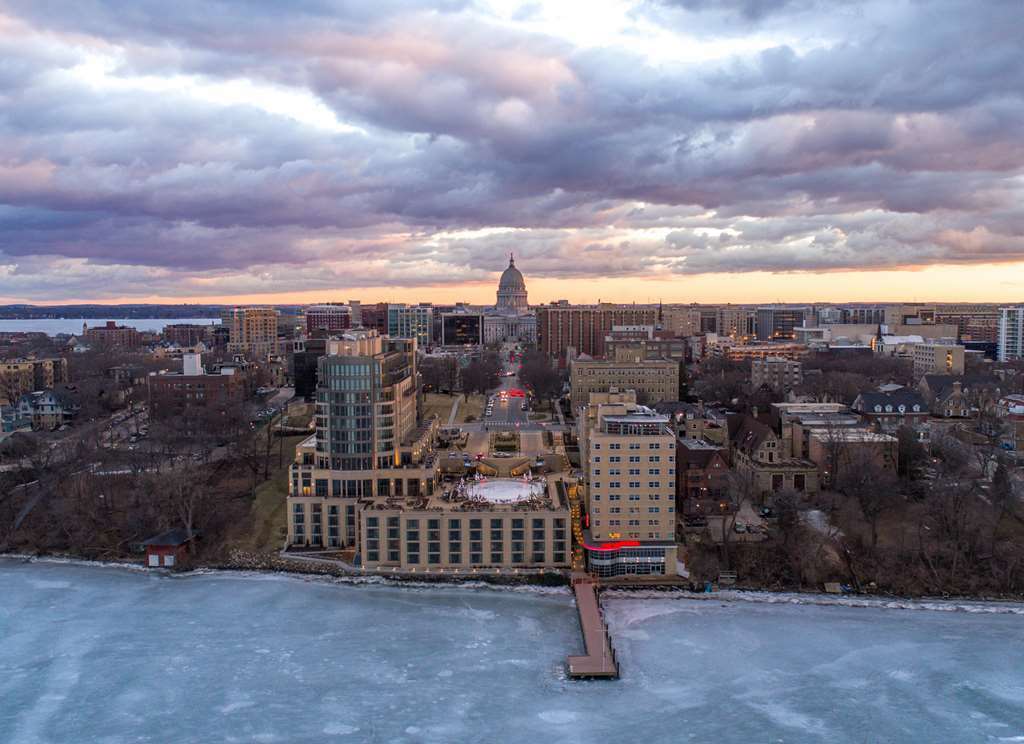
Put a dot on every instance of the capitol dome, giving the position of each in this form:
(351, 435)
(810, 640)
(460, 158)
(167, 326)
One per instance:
(512, 289)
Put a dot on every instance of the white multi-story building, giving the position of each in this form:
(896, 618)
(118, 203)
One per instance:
(1011, 333)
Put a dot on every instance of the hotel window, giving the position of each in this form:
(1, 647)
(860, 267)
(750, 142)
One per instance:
(654, 458)
(653, 509)
(614, 484)
(299, 523)
(317, 524)
(654, 471)
(634, 446)
(413, 541)
(518, 540)
(634, 484)
(433, 541)
(333, 539)
(455, 541)
(372, 539)
(634, 471)
(394, 540)
(497, 544)
(537, 541)
(476, 544)
(634, 458)
(614, 458)
(614, 471)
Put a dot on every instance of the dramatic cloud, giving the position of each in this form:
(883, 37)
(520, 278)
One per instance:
(217, 148)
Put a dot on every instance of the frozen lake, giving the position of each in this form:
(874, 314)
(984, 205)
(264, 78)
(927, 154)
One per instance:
(92, 654)
(73, 326)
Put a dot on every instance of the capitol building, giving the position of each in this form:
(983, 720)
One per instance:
(511, 318)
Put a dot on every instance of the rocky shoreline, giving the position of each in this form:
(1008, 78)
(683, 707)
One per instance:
(273, 563)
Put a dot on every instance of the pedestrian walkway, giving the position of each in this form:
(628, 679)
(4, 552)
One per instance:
(558, 412)
(455, 409)
(599, 661)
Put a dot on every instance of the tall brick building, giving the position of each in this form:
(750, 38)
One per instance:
(584, 327)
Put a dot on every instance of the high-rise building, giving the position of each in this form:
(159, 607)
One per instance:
(1010, 340)
(411, 321)
(629, 455)
(366, 405)
(252, 330)
(561, 326)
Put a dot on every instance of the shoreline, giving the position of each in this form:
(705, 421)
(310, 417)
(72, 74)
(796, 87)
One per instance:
(965, 604)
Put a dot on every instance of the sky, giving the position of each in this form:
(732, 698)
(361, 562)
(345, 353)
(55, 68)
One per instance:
(673, 150)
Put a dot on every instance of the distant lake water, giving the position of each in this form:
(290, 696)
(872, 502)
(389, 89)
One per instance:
(54, 326)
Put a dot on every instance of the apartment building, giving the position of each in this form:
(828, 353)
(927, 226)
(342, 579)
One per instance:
(561, 326)
(681, 320)
(1010, 340)
(252, 330)
(629, 454)
(330, 317)
(737, 322)
(932, 358)
(180, 395)
(186, 334)
(20, 376)
(651, 379)
(776, 373)
(111, 336)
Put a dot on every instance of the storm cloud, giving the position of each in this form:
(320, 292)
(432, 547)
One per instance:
(217, 148)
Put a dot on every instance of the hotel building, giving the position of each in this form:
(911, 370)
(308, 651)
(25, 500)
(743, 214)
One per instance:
(369, 481)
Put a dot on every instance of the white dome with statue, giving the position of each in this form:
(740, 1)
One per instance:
(512, 289)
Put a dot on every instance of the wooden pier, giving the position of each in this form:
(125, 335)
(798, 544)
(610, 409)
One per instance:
(599, 661)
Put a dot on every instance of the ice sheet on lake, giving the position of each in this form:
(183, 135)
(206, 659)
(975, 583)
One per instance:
(99, 654)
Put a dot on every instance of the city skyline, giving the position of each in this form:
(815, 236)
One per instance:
(746, 151)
